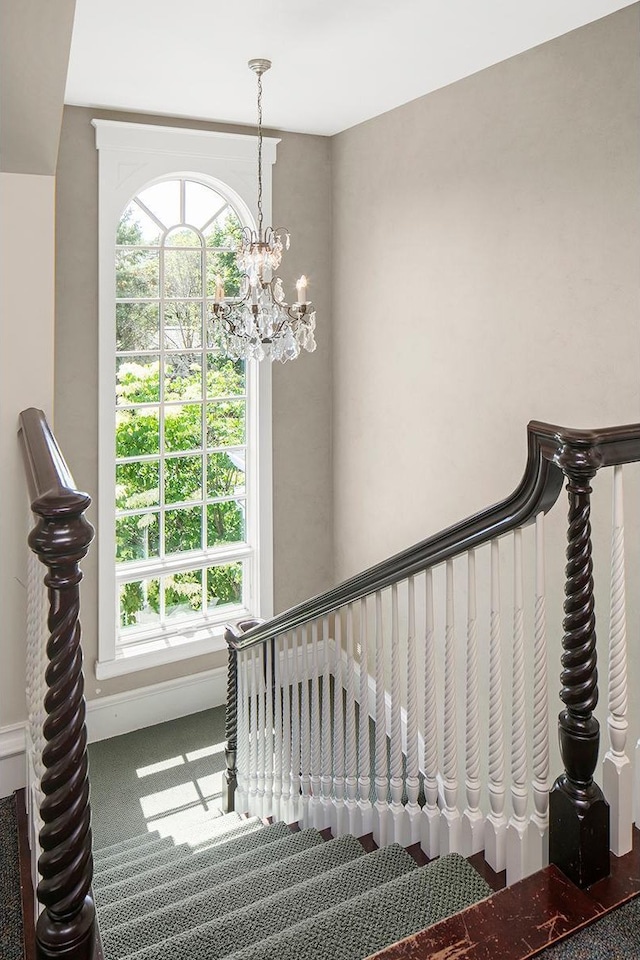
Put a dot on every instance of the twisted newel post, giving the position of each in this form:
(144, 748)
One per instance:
(579, 813)
(231, 727)
(66, 926)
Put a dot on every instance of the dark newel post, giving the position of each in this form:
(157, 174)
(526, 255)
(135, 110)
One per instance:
(66, 927)
(231, 727)
(579, 813)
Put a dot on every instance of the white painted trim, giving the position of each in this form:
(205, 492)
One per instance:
(209, 144)
(123, 712)
(121, 666)
(132, 156)
(13, 764)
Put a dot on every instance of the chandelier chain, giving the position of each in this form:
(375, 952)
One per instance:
(260, 215)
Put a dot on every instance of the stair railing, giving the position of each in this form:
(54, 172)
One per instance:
(59, 798)
(304, 685)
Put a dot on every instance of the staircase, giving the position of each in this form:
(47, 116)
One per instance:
(234, 887)
(459, 763)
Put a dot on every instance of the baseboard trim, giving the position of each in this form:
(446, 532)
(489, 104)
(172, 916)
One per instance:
(13, 767)
(121, 713)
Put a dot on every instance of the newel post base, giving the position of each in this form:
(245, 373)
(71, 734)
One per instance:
(579, 831)
(71, 939)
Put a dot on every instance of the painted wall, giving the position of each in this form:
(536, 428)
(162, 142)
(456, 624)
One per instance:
(301, 390)
(486, 246)
(26, 380)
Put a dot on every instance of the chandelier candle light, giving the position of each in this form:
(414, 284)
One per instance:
(259, 323)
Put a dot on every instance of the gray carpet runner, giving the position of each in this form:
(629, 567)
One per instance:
(238, 889)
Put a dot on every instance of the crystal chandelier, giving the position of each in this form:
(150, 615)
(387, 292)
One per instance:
(259, 324)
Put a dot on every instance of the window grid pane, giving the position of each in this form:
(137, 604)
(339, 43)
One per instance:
(181, 420)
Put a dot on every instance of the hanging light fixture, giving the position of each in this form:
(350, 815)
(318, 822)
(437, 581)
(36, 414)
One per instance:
(259, 324)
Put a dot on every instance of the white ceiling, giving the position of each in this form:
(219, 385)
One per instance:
(336, 62)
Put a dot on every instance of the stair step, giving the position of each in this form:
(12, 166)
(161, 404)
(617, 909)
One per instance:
(112, 873)
(250, 924)
(373, 920)
(213, 903)
(135, 851)
(249, 835)
(145, 859)
(171, 829)
(212, 877)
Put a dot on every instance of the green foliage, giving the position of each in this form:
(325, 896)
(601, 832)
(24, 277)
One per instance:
(138, 482)
(179, 381)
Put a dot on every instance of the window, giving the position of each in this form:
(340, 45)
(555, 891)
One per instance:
(184, 499)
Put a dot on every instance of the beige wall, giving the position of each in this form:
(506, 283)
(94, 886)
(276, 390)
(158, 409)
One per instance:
(26, 380)
(35, 39)
(486, 251)
(301, 390)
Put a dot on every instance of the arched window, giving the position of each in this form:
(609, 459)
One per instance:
(186, 511)
(181, 411)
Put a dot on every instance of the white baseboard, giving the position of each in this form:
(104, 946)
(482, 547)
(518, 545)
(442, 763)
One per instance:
(13, 764)
(123, 712)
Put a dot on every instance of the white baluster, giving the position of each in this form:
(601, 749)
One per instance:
(364, 753)
(339, 821)
(381, 807)
(253, 744)
(539, 824)
(450, 821)
(267, 809)
(413, 812)
(617, 775)
(316, 813)
(277, 731)
(495, 833)
(295, 730)
(430, 830)
(305, 734)
(517, 828)
(327, 760)
(397, 810)
(285, 802)
(351, 753)
(472, 818)
(262, 759)
(242, 752)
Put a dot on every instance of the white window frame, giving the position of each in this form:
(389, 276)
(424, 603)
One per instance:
(132, 156)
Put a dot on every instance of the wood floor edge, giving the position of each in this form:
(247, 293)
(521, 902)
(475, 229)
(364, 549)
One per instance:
(26, 885)
(516, 923)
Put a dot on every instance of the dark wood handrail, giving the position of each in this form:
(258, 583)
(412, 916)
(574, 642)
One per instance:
(550, 448)
(46, 470)
(60, 539)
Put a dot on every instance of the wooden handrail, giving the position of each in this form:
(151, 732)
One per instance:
(537, 491)
(60, 539)
(550, 449)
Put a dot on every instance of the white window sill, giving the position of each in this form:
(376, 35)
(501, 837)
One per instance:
(160, 650)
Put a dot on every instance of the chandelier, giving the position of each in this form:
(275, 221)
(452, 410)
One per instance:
(259, 324)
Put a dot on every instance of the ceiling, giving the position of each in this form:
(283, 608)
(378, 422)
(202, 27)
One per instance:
(335, 62)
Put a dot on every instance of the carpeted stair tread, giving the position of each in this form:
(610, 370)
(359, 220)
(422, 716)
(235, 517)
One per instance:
(177, 822)
(250, 924)
(157, 858)
(147, 859)
(212, 902)
(213, 876)
(103, 862)
(244, 839)
(123, 845)
(180, 827)
(371, 921)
